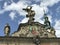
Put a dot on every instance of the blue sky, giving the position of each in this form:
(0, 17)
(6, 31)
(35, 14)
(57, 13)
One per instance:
(11, 12)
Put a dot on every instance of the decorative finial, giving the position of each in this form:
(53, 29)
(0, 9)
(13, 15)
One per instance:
(7, 30)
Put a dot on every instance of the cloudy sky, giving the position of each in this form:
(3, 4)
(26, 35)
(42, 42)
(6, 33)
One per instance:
(11, 12)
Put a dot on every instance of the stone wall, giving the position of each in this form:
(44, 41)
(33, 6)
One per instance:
(28, 41)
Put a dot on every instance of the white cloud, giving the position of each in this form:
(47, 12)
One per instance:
(57, 27)
(38, 12)
(15, 6)
(58, 33)
(48, 2)
(5, 4)
(12, 15)
(58, 10)
(57, 24)
(24, 20)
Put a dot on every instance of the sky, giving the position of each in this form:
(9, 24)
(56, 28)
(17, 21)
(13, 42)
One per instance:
(11, 12)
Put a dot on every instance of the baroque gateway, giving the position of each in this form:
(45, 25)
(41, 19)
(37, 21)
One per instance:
(31, 33)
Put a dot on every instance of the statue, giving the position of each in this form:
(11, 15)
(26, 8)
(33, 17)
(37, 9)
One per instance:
(7, 30)
(31, 13)
(46, 22)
